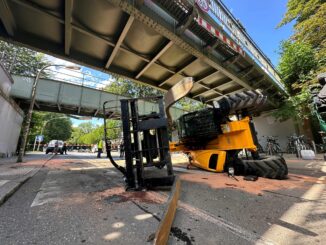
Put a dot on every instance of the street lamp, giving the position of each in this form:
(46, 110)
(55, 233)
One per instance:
(31, 106)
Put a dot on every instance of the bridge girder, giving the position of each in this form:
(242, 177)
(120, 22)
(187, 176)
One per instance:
(152, 67)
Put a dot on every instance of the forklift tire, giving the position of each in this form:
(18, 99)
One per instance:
(272, 167)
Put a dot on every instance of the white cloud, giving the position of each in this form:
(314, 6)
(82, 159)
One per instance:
(62, 73)
(105, 83)
(84, 76)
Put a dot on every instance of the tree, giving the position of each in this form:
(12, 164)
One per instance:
(297, 65)
(35, 126)
(20, 60)
(113, 132)
(135, 90)
(310, 25)
(190, 104)
(302, 58)
(80, 136)
(58, 128)
(300, 10)
(86, 127)
(76, 134)
(132, 89)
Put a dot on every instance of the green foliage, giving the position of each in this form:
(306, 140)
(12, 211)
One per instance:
(310, 25)
(303, 56)
(129, 88)
(20, 60)
(190, 105)
(135, 90)
(60, 128)
(297, 64)
(295, 107)
(76, 134)
(55, 126)
(35, 126)
(86, 127)
(300, 10)
(80, 136)
(313, 29)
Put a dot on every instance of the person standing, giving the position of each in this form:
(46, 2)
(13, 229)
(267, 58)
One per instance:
(122, 150)
(56, 147)
(64, 148)
(99, 148)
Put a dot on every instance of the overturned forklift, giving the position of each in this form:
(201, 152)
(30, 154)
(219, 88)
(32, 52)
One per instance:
(212, 138)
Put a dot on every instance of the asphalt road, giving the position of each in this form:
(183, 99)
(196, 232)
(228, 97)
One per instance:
(78, 199)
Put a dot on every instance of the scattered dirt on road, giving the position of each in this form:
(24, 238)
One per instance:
(219, 181)
(118, 195)
(67, 164)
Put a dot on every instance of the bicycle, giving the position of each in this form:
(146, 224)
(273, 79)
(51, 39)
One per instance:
(300, 144)
(291, 146)
(273, 147)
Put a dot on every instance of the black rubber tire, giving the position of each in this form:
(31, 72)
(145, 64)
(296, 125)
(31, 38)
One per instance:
(247, 99)
(273, 167)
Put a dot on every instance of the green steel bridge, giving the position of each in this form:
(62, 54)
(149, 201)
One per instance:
(74, 98)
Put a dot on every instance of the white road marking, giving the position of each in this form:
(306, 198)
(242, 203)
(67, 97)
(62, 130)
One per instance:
(227, 225)
(49, 192)
(220, 222)
(18, 171)
(2, 182)
(297, 216)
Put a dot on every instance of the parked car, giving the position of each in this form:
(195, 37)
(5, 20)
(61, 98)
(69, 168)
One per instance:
(52, 144)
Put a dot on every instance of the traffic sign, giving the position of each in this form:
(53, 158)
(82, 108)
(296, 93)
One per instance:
(39, 138)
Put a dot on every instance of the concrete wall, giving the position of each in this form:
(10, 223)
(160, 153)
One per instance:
(11, 117)
(267, 125)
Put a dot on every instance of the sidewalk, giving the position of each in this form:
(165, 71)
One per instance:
(13, 175)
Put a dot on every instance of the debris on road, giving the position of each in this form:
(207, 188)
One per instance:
(250, 178)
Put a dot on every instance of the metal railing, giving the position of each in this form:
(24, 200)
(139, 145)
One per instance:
(16, 64)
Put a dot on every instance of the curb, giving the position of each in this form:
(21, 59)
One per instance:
(11, 187)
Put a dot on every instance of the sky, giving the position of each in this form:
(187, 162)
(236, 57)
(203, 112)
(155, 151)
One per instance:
(260, 18)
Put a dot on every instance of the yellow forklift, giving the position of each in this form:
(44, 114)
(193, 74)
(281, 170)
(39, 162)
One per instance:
(213, 137)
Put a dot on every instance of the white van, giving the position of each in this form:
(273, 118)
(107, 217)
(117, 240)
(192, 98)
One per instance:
(52, 144)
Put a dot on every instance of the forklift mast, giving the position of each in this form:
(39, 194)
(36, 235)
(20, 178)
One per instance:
(146, 145)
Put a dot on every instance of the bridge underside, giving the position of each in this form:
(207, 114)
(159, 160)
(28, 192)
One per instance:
(152, 42)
